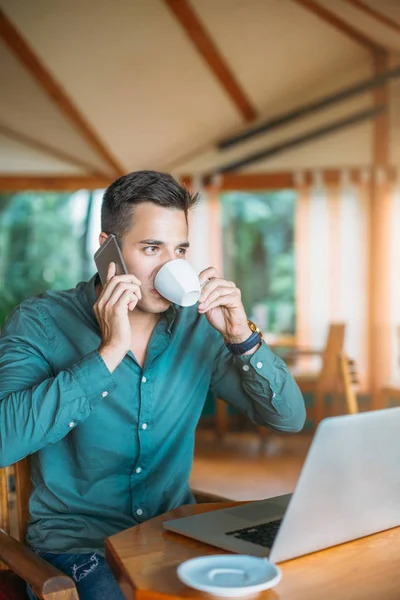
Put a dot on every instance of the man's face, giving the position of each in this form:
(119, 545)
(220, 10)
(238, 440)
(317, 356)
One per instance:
(157, 236)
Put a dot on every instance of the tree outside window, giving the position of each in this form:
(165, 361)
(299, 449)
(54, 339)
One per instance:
(45, 243)
(258, 255)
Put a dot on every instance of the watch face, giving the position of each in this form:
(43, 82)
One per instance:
(254, 327)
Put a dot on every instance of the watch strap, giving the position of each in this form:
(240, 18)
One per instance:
(245, 346)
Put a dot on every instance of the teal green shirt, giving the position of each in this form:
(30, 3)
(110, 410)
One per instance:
(109, 451)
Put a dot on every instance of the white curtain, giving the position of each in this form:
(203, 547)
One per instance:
(340, 233)
(334, 253)
(331, 264)
(205, 229)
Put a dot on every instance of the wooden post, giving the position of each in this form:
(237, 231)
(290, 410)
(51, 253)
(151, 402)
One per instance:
(216, 258)
(378, 292)
(215, 226)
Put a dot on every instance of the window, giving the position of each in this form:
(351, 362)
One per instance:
(46, 242)
(258, 255)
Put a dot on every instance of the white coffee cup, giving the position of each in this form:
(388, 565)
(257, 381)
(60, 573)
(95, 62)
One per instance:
(178, 282)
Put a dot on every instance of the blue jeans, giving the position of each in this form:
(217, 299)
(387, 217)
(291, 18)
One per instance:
(90, 572)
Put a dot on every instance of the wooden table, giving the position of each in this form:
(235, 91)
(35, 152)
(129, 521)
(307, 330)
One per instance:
(144, 561)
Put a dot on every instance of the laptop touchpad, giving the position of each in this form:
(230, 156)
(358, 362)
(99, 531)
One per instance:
(253, 511)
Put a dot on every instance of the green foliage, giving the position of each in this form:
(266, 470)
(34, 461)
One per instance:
(259, 253)
(41, 246)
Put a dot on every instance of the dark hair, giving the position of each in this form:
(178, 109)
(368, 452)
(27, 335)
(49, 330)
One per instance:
(128, 191)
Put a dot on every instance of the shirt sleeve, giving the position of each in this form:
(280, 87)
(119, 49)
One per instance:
(37, 406)
(261, 386)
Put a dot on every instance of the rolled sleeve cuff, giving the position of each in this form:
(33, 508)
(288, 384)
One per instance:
(94, 377)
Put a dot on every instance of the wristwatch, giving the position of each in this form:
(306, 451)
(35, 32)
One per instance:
(254, 339)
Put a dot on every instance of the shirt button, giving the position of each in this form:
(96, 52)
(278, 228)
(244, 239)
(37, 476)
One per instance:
(144, 379)
(139, 512)
(138, 470)
(144, 426)
(104, 394)
(245, 367)
(71, 424)
(259, 365)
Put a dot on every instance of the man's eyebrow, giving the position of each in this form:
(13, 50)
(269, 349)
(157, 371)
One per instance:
(152, 242)
(160, 243)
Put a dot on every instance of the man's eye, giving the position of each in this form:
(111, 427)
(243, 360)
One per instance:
(182, 251)
(150, 249)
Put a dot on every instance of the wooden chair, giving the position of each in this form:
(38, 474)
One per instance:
(391, 390)
(349, 380)
(18, 564)
(326, 380)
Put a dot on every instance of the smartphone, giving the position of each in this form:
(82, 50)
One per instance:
(109, 252)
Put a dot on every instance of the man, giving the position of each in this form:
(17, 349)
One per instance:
(104, 386)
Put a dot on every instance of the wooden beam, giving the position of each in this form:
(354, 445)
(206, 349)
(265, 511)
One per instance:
(245, 181)
(378, 16)
(283, 179)
(381, 123)
(280, 180)
(257, 181)
(16, 43)
(229, 181)
(332, 19)
(49, 150)
(17, 183)
(303, 110)
(314, 134)
(200, 38)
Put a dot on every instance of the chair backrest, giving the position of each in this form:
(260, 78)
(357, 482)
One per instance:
(4, 502)
(334, 346)
(23, 489)
(21, 565)
(348, 374)
(21, 472)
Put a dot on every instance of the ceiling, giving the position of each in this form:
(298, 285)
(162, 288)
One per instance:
(101, 87)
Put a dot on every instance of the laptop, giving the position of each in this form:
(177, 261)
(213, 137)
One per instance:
(349, 487)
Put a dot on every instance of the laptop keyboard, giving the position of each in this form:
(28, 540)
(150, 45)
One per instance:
(263, 534)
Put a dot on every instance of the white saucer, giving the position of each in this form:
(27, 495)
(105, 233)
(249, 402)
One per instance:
(229, 575)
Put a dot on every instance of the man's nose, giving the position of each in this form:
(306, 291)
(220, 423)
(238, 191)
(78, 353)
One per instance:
(170, 255)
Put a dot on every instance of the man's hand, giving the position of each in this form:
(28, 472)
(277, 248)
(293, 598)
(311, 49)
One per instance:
(119, 296)
(221, 302)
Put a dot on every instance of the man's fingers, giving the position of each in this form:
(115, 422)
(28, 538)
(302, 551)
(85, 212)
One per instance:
(133, 303)
(113, 283)
(111, 271)
(229, 300)
(119, 290)
(208, 273)
(123, 301)
(219, 291)
(212, 285)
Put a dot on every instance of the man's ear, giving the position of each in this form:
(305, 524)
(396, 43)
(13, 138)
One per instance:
(102, 238)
